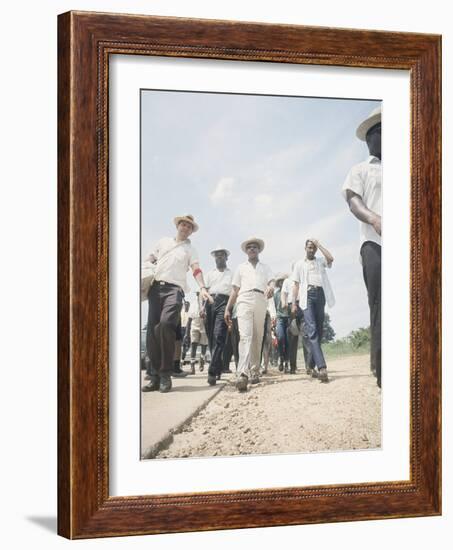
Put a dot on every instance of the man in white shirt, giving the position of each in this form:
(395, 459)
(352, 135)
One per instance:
(253, 284)
(173, 258)
(363, 193)
(293, 335)
(219, 284)
(312, 287)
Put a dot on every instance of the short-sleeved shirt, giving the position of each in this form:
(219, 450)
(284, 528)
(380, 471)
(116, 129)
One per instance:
(365, 179)
(219, 282)
(174, 260)
(300, 275)
(248, 278)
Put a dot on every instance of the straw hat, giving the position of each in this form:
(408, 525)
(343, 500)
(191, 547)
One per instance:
(186, 218)
(220, 249)
(281, 276)
(373, 118)
(254, 240)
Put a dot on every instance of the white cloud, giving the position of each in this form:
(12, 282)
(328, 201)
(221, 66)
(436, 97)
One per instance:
(223, 190)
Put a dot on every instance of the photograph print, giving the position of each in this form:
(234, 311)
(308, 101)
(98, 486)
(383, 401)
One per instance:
(260, 327)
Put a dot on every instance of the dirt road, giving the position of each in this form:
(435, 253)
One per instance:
(288, 413)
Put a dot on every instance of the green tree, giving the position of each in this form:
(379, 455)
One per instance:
(328, 334)
(359, 338)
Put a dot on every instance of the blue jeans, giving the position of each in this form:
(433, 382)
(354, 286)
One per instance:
(314, 322)
(281, 330)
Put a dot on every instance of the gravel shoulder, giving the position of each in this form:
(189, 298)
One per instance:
(288, 414)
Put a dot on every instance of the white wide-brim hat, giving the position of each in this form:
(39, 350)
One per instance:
(373, 118)
(255, 240)
(186, 218)
(220, 249)
(281, 276)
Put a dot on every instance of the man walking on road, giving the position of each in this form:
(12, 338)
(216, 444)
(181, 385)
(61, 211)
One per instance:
(219, 284)
(362, 191)
(296, 329)
(173, 257)
(282, 322)
(253, 284)
(312, 287)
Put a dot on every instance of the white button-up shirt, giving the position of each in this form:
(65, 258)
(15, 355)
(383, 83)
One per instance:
(247, 277)
(287, 288)
(300, 275)
(219, 282)
(365, 179)
(174, 260)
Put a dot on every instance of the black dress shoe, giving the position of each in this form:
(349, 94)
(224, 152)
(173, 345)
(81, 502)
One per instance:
(323, 375)
(212, 379)
(179, 373)
(153, 385)
(165, 383)
(241, 383)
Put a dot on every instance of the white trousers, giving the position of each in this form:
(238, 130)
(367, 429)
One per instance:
(251, 312)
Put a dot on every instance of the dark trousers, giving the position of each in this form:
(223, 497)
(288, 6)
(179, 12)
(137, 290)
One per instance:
(231, 345)
(164, 310)
(314, 322)
(293, 343)
(217, 331)
(281, 330)
(371, 261)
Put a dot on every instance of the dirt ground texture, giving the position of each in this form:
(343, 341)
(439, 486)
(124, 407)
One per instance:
(288, 414)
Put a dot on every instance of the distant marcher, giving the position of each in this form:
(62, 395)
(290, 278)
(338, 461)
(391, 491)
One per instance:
(219, 284)
(173, 258)
(185, 333)
(281, 324)
(312, 286)
(269, 323)
(198, 336)
(252, 286)
(362, 190)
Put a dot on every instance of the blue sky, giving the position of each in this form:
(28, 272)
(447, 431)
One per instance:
(269, 166)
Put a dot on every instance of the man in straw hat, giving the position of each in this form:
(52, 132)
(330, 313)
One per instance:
(312, 288)
(253, 284)
(362, 191)
(219, 284)
(173, 258)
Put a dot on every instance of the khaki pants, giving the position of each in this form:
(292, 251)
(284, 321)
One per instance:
(251, 312)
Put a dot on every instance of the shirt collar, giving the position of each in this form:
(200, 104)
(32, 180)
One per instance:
(373, 160)
(181, 242)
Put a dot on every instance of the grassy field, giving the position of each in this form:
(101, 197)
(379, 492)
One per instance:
(339, 350)
(342, 349)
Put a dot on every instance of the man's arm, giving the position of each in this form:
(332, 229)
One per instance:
(361, 212)
(269, 292)
(327, 255)
(198, 276)
(295, 295)
(229, 307)
(284, 297)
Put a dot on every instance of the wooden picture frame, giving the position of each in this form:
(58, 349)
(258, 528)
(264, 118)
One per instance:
(85, 42)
